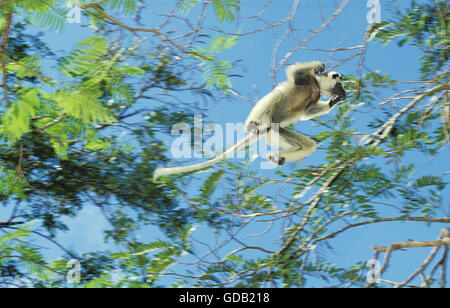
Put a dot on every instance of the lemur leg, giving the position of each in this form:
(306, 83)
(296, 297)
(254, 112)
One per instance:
(295, 146)
(260, 118)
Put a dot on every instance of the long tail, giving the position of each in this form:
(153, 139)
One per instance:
(235, 148)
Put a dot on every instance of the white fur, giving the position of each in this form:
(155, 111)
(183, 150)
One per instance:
(275, 106)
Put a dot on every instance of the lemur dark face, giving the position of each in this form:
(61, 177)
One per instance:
(332, 75)
(338, 88)
(331, 84)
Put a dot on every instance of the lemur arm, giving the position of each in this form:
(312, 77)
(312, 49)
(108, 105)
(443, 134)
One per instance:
(321, 108)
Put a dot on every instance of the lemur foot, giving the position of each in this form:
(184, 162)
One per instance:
(276, 159)
(253, 127)
(319, 69)
(335, 100)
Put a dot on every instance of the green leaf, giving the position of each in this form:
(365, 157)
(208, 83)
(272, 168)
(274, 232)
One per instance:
(16, 120)
(84, 106)
(210, 184)
(225, 9)
(14, 235)
(50, 19)
(86, 57)
(124, 6)
(25, 67)
(146, 248)
(187, 5)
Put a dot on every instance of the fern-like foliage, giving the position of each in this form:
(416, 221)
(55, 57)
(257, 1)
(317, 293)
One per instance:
(224, 9)
(187, 5)
(214, 75)
(123, 6)
(84, 106)
(211, 183)
(40, 6)
(85, 58)
(26, 67)
(11, 183)
(16, 120)
(52, 19)
(214, 71)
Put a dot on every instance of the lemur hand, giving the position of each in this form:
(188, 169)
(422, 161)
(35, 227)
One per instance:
(320, 68)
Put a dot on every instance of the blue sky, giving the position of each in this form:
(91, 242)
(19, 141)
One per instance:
(256, 52)
(402, 64)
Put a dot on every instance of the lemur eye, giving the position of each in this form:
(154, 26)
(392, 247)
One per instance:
(336, 76)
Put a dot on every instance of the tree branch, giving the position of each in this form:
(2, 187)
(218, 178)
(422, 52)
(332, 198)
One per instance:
(411, 244)
(155, 32)
(443, 240)
(4, 50)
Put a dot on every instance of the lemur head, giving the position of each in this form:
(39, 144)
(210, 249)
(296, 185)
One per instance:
(330, 84)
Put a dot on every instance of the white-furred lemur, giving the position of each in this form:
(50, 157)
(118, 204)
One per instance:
(297, 98)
